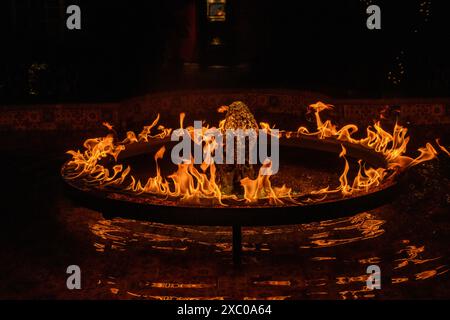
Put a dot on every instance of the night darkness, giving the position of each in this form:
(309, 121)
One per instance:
(124, 48)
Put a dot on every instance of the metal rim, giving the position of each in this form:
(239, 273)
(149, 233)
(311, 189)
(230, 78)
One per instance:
(241, 215)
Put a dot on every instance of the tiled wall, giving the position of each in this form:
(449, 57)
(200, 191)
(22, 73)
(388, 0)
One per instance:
(68, 117)
(138, 110)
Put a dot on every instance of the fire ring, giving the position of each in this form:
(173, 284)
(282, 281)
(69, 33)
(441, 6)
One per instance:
(172, 213)
(103, 191)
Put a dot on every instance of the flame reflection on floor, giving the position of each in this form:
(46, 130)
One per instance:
(330, 273)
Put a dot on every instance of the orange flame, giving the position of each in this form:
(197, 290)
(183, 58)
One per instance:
(444, 149)
(261, 188)
(190, 185)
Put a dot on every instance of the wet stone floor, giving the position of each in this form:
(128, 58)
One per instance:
(44, 232)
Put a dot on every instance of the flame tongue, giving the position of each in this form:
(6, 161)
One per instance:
(191, 185)
(444, 149)
(261, 188)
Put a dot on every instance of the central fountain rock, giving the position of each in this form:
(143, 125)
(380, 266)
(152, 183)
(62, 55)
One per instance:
(238, 116)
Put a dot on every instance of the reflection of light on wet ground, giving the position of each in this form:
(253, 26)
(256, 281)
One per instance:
(268, 298)
(273, 283)
(399, 280)
(290, 262)
(431, 273)
(347, 280)
(371, 260)
(357, 294)
(323, 258)
(364, 226)
(156, 297)
(182, 285)
(412, 256)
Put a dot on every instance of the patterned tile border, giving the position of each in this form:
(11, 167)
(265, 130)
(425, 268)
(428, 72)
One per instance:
(142, 109)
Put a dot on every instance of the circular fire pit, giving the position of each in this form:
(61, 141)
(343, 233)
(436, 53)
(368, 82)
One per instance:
(118, 203)
(98, 180)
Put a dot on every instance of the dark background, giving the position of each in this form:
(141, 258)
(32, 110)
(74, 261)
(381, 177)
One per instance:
(131, 47)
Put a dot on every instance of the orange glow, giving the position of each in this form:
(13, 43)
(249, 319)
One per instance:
(190, 184)
(444, 149)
